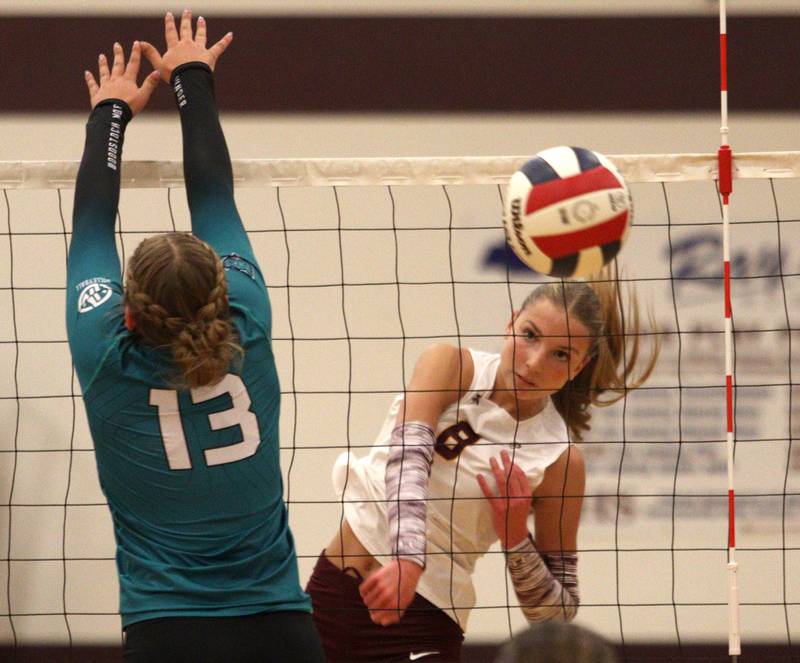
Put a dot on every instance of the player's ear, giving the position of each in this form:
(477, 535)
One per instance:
(130, 323)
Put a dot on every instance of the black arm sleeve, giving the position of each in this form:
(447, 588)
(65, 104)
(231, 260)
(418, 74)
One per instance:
(207, 163)
(209, 188)
(94, 279)
(97, 186)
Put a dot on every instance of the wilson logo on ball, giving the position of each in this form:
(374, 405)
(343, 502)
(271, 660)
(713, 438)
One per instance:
(567, 212)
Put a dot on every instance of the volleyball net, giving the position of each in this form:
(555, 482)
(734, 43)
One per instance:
(368, 262)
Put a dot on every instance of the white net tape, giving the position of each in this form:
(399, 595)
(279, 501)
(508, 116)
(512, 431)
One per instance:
(399, 171)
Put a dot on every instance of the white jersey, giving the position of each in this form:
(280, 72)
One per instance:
(459, 522)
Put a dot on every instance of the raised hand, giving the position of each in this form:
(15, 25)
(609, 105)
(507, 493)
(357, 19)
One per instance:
(512, 504)
(390, 590)
(120, 81)
(183, 47)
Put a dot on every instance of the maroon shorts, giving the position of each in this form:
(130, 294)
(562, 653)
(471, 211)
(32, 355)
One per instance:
(348, 633)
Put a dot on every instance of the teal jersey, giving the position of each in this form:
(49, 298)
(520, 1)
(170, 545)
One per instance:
(192, 477)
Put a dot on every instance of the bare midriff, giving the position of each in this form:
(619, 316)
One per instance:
(347, 553)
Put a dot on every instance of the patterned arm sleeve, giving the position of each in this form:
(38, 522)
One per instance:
(546, 584)
(408, 468)
(94, 279)
(209, 187)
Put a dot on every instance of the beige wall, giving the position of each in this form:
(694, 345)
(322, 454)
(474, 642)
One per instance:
(154, 136)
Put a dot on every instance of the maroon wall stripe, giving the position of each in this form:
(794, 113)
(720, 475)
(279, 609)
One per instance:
(432, 64)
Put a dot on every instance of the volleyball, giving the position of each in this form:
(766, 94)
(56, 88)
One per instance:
(567, 212)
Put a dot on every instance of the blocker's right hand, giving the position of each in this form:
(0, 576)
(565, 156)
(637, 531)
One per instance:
(183, 47)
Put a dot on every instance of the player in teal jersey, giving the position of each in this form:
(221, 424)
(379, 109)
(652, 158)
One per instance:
(181, 390)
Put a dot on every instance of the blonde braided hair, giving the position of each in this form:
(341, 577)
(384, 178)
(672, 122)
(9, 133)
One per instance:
(177, 294)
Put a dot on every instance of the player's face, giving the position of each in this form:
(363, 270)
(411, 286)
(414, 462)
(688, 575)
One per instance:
(543, 349)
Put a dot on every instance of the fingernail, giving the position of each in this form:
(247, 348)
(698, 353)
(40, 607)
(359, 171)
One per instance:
(200, 18)
(136, 43)
(116, 45)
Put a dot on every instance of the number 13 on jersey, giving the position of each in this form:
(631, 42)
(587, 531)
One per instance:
(169, 420)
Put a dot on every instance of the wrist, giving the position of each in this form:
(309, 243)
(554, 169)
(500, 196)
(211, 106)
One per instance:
(411, 567)
(194, 64)
(126, 112)
(518, 542)
(192, 81)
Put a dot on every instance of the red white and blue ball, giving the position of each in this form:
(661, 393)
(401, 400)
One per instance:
(567, 212)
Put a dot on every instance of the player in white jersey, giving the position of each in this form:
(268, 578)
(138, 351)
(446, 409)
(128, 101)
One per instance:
(475, 442)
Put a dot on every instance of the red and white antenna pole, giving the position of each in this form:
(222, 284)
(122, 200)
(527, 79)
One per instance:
(725, 158)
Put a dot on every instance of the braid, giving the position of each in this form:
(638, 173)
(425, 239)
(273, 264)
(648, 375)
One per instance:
(217, 297)
(177, 293)
(151, 318)
(204, 349)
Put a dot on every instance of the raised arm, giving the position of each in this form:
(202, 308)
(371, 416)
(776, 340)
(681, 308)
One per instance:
(442, 374)
(94, 280)
(188, 66)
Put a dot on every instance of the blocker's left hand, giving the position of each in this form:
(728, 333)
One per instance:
(119, 82)
(390, 590)
(512, 503)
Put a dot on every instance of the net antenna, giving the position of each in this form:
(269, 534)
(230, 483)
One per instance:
(725, 188)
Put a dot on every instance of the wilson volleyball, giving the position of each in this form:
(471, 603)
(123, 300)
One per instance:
(567, 212)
